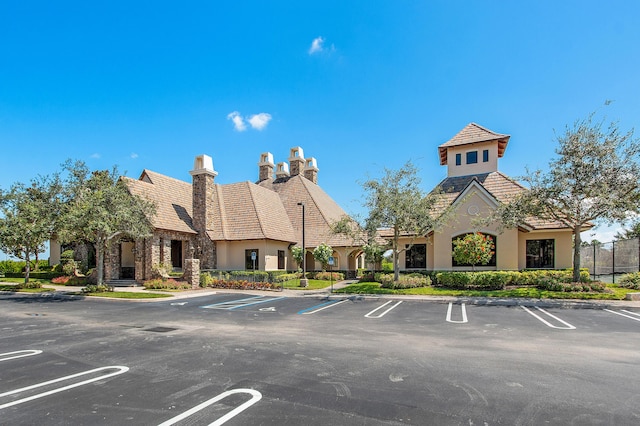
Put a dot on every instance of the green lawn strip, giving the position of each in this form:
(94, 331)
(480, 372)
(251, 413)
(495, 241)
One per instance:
(11, 287)
(125, 295)
(21, 280)
(526, 292)
(313, 285)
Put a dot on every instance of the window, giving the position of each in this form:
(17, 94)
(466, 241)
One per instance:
(540, 254)
(492, 261)
(458, 159)
(280, 259)
(248, 260)
(485, 156)
(472, 157)
(416, 257)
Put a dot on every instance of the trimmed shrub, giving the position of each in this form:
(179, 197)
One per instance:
(205, 279)
(630, 281)
(485, 280)
(94, 288)
(166, 284)
(244, 285)
(404, 280)
(29, 285)
(327, 276)
(280, 278)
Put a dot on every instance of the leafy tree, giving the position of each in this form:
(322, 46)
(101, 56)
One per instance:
(29, 218)
(100, 208)
(595, 177)
(321, 254)
(297, 253)
(373, 253)
(632, 232)
(473, 249)
(397, 202)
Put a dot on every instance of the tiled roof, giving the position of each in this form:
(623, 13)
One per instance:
(501, 187)
(473, 133)
(320, 210)
(247, 211)
(171, 196)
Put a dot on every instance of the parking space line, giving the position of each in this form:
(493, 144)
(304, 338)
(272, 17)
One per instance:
(624, 315)
(321, 307)
(255, 397)
(464, 314)
(567, 325)
(241, 303)
(13, 355)
(370, 314)
(121, 369)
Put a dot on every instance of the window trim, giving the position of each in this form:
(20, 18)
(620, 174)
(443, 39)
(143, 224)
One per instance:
(458, 159)
(485, 155)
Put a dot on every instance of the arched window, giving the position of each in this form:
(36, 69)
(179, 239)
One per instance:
(492, 262)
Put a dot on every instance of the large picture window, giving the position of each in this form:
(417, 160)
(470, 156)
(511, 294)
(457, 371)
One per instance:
(416, 257)
(248, 261)
(540, 254)
(492, 261)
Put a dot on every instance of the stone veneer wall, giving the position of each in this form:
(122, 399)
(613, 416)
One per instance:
(203, 204)
(192, 272)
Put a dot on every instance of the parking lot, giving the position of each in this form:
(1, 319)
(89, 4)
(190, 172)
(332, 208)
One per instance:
(268, 359)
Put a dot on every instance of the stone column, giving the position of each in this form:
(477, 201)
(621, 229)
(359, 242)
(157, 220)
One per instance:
(192, 272)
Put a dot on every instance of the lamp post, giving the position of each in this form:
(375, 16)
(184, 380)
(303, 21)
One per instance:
(303, 280)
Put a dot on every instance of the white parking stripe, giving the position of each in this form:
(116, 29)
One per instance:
(255, 397)
(13, 355)
(464, 314)
(321, 307)
(567, 325)
(120, 369)
(624, 315)
(370, 314)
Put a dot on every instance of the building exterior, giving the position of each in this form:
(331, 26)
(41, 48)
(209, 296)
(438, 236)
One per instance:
(238, 226)
(474, 187)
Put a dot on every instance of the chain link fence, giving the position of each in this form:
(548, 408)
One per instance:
(606, 260)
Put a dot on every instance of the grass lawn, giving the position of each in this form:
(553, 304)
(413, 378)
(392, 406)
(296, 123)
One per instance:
(617, 293)
(12, 287)
(313, 285)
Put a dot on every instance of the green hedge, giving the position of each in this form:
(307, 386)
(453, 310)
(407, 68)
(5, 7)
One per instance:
(486, 280)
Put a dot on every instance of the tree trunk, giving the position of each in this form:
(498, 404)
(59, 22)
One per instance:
(27, 266)
(100, 262)
(577, 242)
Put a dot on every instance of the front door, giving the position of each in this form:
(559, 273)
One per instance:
(176, 254)
(127, 260)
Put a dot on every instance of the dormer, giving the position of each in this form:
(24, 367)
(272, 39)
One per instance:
(473, 150)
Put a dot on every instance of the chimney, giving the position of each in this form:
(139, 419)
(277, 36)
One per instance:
(311, 170)
(282, 170)
(265, 167)
(296, 160)
(203, 175)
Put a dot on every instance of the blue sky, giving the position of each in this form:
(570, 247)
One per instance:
(359, 85)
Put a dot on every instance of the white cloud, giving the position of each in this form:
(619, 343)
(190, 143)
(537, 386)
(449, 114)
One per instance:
(259, 121)
(134, 155)
(316, 45)
(96, 155)
(238, 121)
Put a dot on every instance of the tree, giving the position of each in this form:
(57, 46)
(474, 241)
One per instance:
(322, 253)
(99, 208)
(29, 218)
(594, 178)
(632, 232)
(397, 202)
(298, 254)
(473, 249)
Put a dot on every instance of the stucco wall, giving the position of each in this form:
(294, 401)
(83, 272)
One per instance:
(470, 169)
(231, 254)
(563, 255)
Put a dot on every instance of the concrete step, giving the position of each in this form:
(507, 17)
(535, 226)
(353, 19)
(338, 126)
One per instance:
(123, 283)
